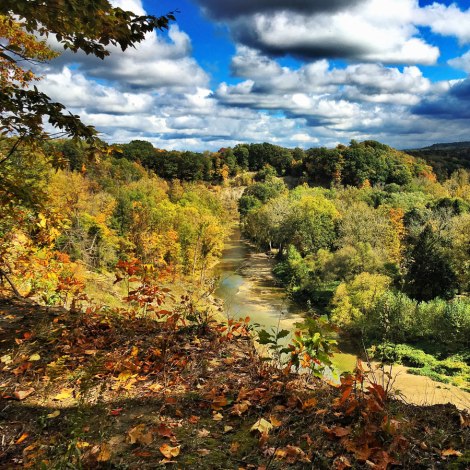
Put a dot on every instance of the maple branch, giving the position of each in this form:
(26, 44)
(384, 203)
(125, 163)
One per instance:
(12, 150)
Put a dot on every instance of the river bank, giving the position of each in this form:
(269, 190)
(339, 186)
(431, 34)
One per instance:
(247, 287)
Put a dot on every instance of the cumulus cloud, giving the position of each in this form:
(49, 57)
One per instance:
(452, 104)
(462, 62)
(367, 30)
(234, 8)
(155, 62)
(447, 20)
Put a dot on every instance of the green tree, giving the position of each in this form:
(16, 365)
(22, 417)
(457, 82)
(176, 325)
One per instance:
(430, 272)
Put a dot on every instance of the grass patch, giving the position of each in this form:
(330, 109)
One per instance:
(450, 370)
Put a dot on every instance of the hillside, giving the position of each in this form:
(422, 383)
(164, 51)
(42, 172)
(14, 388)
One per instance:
(445, 158)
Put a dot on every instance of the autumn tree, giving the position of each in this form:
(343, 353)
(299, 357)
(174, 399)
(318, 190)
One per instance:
(90, 26)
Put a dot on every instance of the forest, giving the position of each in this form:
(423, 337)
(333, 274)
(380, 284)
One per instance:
(364, 238)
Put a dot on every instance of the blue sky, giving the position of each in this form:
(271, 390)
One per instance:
(292, 72)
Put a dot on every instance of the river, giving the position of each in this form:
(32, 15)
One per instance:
(248, 288)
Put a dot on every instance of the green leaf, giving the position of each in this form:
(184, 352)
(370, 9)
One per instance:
(282, 334)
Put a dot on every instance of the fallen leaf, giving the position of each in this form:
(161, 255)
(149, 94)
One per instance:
(142, 453)
(6, 359)
(23, 437)
(164, 431)
(217, 417)
(219, 402)
(234, 447)
(140, 435)
(203, 452)
(341, 463)
(34, 357)
(203, 433)
(310, 403)
(337, 431)
(64, 394)
(105, 453)
(54, 414)
(274, 421)
(169, 451)
(90, 352)
(22, 394)
(194, 419)
(262, 426)
(451, 452)
(227, 429)
(116, 412)
(156, 387)
(82, 444)
(239, 408)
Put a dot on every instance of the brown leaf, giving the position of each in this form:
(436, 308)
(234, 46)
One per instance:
(22, 394)
(142, 453)
(341, 463)
(310, 403)
(234, 447)
(219, 402)
(139, 435)
(274, 421)
(164, 431)
(240, 408)
(169, 452)
(105, 453)
(337, 431)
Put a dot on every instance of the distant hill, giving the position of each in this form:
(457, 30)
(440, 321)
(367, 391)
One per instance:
(445, 158)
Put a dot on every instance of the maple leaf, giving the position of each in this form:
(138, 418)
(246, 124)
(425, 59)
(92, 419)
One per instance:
(169, 452)
(262, 426)
(240, 408)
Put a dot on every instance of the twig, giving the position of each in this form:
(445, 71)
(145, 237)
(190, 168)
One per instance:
(3, 274)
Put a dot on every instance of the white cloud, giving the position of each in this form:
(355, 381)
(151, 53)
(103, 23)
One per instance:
(462, 62)
(367, 30)
(446, 20)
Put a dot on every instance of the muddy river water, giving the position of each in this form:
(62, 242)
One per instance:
(247, 288)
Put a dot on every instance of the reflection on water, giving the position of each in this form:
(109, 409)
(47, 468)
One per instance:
(248, 288)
